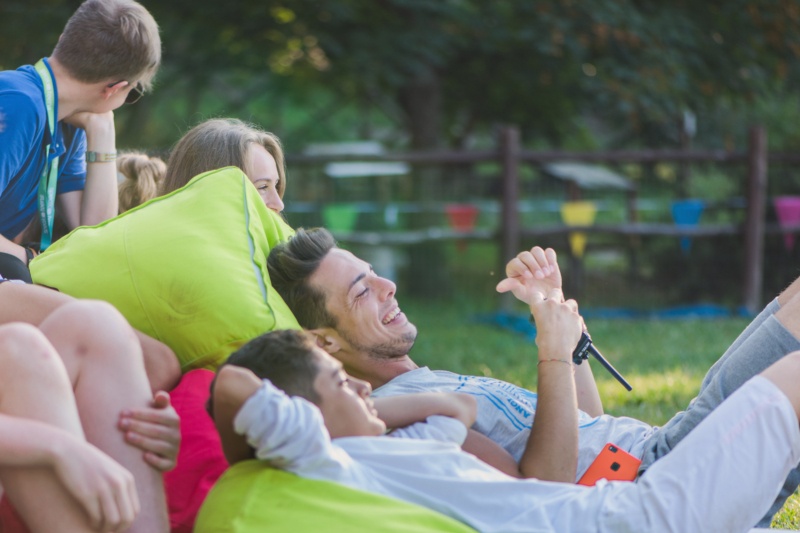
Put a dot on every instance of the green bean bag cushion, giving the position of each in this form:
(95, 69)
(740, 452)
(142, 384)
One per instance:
(252, 497)
(188, 268)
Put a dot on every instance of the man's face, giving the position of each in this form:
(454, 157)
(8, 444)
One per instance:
(344, 401)
(367, 314)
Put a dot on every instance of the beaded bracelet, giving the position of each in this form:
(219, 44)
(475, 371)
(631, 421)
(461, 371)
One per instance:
(554, 361)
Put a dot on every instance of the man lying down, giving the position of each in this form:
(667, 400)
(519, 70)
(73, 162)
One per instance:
(296, 408)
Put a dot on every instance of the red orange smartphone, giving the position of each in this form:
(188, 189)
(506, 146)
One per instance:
(612, 464)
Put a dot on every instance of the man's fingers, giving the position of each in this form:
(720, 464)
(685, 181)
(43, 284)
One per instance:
(163, 417)
(127, 503)
(541, 259)
(161, 400)
(155, 445)
(573, 305)
(162, 464)
(517, 267)
(149, 429)
(505, 285)
(551, 256)
(92, 507)
(110, 519)
(532, 263)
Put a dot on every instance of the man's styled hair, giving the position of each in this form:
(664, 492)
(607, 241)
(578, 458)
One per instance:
(110, 40)
(286, 358)
(291, 265)
(218, 143)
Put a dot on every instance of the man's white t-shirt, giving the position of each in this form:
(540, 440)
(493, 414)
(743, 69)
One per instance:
(506, 413)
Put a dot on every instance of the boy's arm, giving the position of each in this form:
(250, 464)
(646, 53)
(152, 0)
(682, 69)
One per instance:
(232, 387)
(99, 200)
(406, 409)
(490, 453)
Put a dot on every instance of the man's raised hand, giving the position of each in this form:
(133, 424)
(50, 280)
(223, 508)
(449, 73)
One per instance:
(558, 324)
(534, 271)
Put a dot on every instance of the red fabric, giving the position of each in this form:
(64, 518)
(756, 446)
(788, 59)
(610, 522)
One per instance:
(10, 521)
(200, 458)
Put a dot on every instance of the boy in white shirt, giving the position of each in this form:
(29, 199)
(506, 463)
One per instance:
(325, 426)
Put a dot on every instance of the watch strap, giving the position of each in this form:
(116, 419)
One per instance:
(100, 157)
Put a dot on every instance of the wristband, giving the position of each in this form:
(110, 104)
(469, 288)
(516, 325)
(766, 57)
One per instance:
(30, 253)
(554, 361)
(100, 157)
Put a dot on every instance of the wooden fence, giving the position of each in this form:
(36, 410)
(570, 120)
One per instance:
(510, 155)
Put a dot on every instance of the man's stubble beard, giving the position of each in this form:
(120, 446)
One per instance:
(394, 349)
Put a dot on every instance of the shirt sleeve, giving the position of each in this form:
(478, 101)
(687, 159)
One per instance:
(441, 428)
(402, 386)
(20, 126)
(288, 432)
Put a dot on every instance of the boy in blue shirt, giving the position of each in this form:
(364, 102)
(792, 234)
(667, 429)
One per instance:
(57, 137)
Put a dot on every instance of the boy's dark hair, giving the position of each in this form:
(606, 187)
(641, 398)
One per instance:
(285, 357)
(291, 265)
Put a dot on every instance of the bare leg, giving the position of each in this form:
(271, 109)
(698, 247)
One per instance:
(789, 292)
(104, 362)
(785, 374)
(35, 386)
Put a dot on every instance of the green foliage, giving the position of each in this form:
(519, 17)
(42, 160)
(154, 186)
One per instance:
(712, 184)
(448, 71)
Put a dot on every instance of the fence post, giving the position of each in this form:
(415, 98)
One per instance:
(509, 211)
(754, 224)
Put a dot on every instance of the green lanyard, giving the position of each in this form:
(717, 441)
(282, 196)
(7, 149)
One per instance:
(47, 181)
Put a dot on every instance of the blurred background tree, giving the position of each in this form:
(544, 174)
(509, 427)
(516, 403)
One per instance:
(422, 74)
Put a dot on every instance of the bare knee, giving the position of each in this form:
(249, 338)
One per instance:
(24, 342)
(93, 333)
(89, 323)
(24, 351)
(91, 316)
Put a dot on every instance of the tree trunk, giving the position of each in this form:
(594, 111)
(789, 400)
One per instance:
(421, 99)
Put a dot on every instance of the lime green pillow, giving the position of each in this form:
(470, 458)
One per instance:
(251, 497)
(188, 268)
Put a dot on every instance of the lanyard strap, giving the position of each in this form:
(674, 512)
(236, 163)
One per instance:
(47, 181)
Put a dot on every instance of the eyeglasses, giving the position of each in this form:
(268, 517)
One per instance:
(134, 94)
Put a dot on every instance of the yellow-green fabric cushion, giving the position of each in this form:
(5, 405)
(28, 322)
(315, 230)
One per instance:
(188, 268)
(252, 497)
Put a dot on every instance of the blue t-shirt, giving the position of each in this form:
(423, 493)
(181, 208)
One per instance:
(23, 136)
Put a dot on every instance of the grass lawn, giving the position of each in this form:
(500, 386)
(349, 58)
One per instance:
(664, 360)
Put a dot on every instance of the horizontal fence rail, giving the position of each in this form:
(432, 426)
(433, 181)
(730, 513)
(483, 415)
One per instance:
(510, 155)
